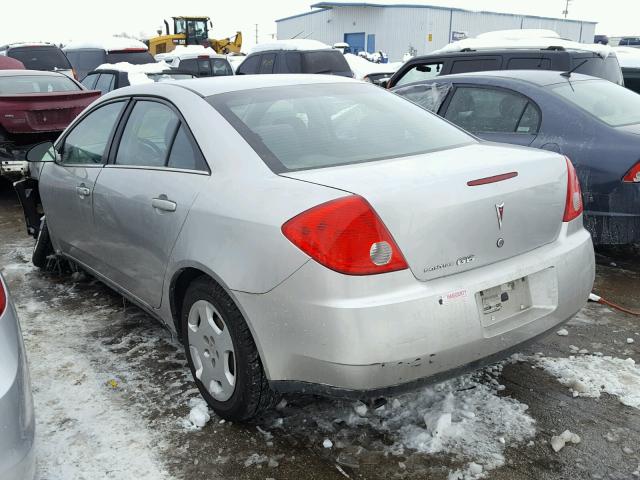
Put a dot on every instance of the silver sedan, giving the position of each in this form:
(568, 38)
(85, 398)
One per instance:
(17, 456)
(314, 234)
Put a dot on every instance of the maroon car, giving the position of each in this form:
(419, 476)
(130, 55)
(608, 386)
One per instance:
(36, 105)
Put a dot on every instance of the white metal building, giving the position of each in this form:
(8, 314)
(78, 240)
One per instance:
(397, 28)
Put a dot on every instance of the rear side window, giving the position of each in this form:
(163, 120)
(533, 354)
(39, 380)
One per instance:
(300, 127)
(146, 138)
(329, 61)
(190, 65)
(184, 153)
(430, 96)
(90, 81)
(529, 64)
(105, 83)
(220, 67)
(267, 63)
(47, 83)
(424, 71)
(607, 68)
(475, 65)
(87, 142)
(293, 61)
(37, 58)
(249, 65)
(486, 110)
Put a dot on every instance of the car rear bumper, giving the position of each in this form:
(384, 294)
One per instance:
(323, 332)
(17, 459)
(613, 229)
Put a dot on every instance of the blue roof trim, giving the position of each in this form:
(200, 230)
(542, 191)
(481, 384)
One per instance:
(322, 9)
(328, 5)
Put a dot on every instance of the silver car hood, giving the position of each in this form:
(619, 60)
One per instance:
(444, 226)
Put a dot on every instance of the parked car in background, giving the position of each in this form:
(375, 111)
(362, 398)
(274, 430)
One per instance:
(629, 59)
(203, 64)
(368, 71)
(17, 424)
(39, 56)
(8, 63)
(35, 106)
(111, 77)
(483, 54)
(339, 201)
(629, 42)
(594, 122)
(294, 56)
(87, 56)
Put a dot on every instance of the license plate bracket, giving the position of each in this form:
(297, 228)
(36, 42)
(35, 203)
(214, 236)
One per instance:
(503, 301)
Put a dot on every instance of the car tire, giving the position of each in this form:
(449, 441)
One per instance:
(43, 247)
(207, 347)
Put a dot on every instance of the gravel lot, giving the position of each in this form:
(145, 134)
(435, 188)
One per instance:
(113, 395)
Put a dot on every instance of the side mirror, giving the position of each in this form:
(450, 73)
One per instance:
(42, 152)
(384, 83)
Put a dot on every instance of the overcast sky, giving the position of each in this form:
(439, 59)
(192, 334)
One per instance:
(63, 20)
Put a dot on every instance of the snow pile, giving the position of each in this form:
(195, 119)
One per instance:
(589, 376)
(198, 415)
(108, 43)
(563, 332)
(137, 74)
(362, 67)
(559, 441)
(628, 57)
(185, 51)
(293, 44)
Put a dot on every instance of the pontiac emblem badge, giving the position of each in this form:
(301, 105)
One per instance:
(500, 214)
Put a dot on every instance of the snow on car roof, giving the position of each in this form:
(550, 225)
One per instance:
(186, 52)
(292, 44)
(518, 34)
(108, 44)
(137, 74)
(523, 42)
(362, 67)
(29, 44)
(628, 57)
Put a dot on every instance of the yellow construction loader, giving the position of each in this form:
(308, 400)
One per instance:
(192, 31)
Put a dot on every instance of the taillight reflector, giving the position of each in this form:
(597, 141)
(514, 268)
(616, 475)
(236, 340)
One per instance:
(633, 175)
(573, 206)
(3, 299)
(346, 235)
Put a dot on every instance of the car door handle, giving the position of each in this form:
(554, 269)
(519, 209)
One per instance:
(83, 191)
(164, 204)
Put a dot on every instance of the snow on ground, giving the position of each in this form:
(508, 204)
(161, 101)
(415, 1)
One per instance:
(589, 376)
(83, 430)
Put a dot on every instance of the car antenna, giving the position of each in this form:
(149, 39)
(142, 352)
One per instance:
(568, 74)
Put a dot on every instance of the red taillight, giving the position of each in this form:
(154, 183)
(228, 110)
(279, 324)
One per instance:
(633, 175)
(573, 207)
(346, 235)
(3, 299)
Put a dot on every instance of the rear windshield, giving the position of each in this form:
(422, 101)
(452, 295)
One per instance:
(16, 85)
(41, 58)
(330, 61)
(607, 68)
(302, 127)
(136, 58)
(611, 103)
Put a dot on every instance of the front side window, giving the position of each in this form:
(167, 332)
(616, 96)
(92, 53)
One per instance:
(48, 83)
(250, 65)
(430, 96)
(147, 137)
(90, 80)
(220, 67)
(611, 103)
(487, 110)
(293, 61)
(474, 65)
(303, 127)
(420, 72)
(87, 142)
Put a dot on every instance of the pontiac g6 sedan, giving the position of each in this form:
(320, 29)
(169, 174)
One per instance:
(314, 233)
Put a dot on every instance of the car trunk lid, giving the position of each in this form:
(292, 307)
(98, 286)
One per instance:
(42, 112)
(444, 226)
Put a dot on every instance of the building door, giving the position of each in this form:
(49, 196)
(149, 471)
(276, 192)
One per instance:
(355, 41)
(371, 43)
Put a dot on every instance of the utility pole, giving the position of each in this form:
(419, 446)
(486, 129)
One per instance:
(256, 33)
(566, 8)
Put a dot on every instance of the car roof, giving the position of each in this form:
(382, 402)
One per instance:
(190, 55)
(208, 86)
(536, 77)
(28, 44)
(39, 73)
(501, 51)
